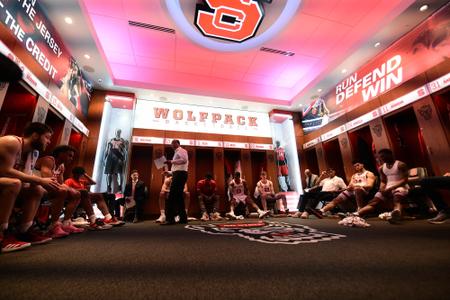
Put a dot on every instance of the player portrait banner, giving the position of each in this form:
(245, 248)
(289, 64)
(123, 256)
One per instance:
(424, 47)
(27, 22)
(192, 118)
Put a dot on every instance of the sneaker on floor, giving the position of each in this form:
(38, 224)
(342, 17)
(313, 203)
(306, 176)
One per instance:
(34, 237)
(384, 216)
(316, 212)
(72, 229)
(216, 217)
(439, 219)
(98, 227)
(204, 217)
(10, 244)
(395, 217)
(304, 215)
(177, 219)
(191, 219)
(113, 221)
(240, 217)
(231, 215)
(161, 219)
(262, 214)
(80, 221)
(297, 214)
(58, 232)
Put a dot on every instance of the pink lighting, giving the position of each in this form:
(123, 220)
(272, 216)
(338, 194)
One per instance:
(321, 34)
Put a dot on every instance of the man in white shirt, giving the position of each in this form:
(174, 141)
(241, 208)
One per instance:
(265, 190)
(179, 167)
(359, 187)
(331, 187)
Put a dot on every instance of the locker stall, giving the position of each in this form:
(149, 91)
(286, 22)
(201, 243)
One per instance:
(406, 139)
(333, 157)
(17, 109)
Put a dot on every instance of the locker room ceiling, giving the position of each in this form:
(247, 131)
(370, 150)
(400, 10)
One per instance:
(326, 36)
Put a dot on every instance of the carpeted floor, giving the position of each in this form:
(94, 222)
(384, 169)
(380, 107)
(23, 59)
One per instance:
(148, 261)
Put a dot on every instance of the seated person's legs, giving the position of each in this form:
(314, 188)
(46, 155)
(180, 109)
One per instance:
(251, 203)
(29, 200)
(9, 190)
(162, 207)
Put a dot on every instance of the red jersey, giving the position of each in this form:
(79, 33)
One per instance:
(75, 184)
(281, 158)
(205, 187)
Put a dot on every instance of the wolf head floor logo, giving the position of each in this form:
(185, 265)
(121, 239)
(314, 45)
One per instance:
(232, 20)
(269, 232)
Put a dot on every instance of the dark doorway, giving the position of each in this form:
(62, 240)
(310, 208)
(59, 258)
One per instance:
(407, 141)
(361, 142)
(56, 122)
(333, 157)
(310, 158)
(259, 163)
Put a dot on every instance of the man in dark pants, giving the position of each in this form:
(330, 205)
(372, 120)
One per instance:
(429, 187)
(136, 190)
(175, 203)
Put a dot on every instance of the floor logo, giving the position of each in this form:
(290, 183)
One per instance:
(269, 232)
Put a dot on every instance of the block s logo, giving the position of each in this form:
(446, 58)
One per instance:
(231, 20)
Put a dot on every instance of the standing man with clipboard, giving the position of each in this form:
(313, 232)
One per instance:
(178, 167)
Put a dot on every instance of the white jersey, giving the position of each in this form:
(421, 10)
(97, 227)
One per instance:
(360, 179)
(237, 190)
(393, 175)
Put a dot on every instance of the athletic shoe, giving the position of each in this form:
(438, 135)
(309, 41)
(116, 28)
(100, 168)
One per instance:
(58, 232)
(177, 219)
(191, 219)
(72, 229)
(34, 237)
(113, 221)
(316, 212)
(80, 221)
(231, 215)
(216, 217)
(240, 217)
(395, 218)
(161, 219)
(10, 244)
(262, 214)
(204, 217)
(297, 214)
(439, 219)
(385, 216)
(98, 227)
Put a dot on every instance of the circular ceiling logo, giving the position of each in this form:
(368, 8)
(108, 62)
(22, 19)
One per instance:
(236, 22)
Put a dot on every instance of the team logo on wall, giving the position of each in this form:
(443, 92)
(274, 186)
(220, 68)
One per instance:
(269, 232)
(232, 20)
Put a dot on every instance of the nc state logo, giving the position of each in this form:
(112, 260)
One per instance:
(231, 20)
(269, 232)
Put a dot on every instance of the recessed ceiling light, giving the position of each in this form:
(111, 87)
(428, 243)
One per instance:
(344, 71)
(423, 7)
(87, 56)
(100, 80)
(68, 20)
(377, 44)
(319, 90)
(300, 105)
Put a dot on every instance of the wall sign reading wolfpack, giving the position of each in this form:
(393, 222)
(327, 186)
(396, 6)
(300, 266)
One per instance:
(180, 117)
(231, 20)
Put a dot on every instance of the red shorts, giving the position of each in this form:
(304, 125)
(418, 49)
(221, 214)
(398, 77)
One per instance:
(283, 170)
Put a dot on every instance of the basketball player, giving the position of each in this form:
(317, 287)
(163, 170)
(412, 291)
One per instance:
(164, 194)
(264, 189)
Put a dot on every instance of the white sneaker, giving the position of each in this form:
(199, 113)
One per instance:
(161, 219)
(177, 219)
(80, 221)
(262, 214)
(205, 217)
(241, 217)
(231, 215)
(216, 216)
